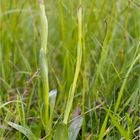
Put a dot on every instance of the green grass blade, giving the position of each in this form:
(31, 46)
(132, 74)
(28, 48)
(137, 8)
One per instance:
(102, 131)
(78, 64)
(120, 94)
(119, 127)
(23, 130)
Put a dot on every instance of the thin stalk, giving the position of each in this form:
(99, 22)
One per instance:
(83, 105)
(120, 94)
(43, 62)
(78, 64)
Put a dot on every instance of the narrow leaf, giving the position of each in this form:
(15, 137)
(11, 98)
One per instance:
(119, 127)
(61, 132)
(101, 134)
(52, 99)
(23, 130)
(74, 128)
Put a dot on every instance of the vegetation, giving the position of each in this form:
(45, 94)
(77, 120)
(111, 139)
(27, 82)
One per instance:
(70, 69)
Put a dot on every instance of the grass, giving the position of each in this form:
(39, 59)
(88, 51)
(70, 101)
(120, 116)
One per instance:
(69, 70)
(78, 64)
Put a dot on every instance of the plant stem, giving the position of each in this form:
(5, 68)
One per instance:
(78, 64)
(43, 62)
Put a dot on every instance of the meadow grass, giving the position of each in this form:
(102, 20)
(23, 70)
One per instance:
(69, 70)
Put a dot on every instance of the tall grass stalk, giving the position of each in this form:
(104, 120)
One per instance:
(43, 62)
(120, 94)
(78, 64)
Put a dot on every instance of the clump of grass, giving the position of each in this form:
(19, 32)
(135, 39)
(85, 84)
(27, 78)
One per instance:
(77, 70)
